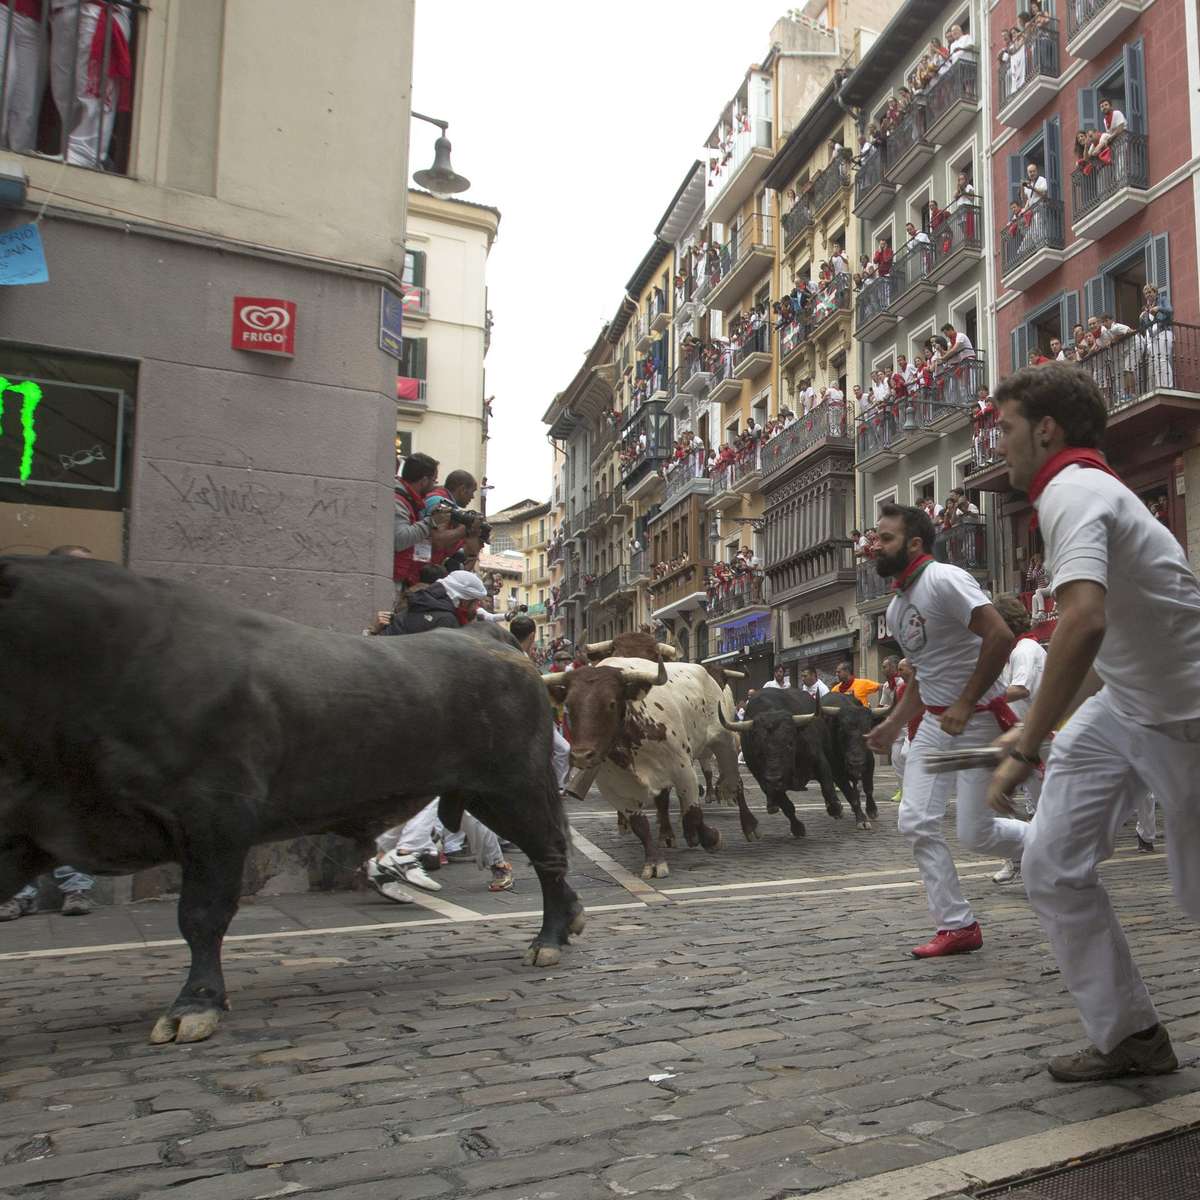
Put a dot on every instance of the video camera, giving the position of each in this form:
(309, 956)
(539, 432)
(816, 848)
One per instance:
(476, 525)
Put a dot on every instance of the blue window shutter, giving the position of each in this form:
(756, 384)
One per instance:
(1020, 347)
(1016, 173)
(1070, 315)
(1089, 109)
(1051, 153)
(1135, 86)
(1158, 266)
(1093, 294)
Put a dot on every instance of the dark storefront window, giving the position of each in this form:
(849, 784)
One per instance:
(66, 434)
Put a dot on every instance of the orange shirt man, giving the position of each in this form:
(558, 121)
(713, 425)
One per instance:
(861, 689)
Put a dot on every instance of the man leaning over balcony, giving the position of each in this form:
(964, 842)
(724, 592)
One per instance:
(1114, 124)
(954, 365)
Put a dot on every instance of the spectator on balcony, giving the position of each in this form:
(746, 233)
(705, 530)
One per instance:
(964, 194)
(1157, 335)
(849, 685)
(958, 508)
(1056, 350)
(837, 261)
(1034, 191)
(883, 258)
(780, 680)
(961, 43)
(902, 376)
(880, 391)
(955, 365)
(1114, 123)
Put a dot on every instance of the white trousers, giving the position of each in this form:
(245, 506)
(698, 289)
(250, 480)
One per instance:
(420, 834)
(561, 757)
(20, 62)
(1095, 764)
(923, 808)
(899, 757)
(90, 119)
(1147, 818)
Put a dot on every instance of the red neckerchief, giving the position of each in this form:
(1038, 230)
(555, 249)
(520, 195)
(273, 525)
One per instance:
(1078, 456)
(1030, 636)
(844, 687)
(910, 573)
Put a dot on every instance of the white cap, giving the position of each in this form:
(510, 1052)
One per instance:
(462, 586)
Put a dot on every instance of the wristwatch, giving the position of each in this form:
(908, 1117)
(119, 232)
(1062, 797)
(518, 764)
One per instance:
(1028, 759)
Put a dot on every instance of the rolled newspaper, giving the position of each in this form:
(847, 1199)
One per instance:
(978, 758)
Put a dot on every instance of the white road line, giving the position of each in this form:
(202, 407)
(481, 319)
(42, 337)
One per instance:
(630, 882)
(535, 913)
(433, 902)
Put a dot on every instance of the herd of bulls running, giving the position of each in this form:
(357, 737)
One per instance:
(144, 721)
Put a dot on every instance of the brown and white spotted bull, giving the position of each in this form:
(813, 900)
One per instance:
(641, 725)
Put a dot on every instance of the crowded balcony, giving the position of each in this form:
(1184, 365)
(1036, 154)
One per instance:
(683, 477)
(725, 386)
(823, 427)
(748, 638)
(1029, 72)
(872, 316)
(695, 377)
(743, 474)
(745, 258)
(1104, 195)
(415, 302)
(873, 190)
(813, 571)
(832, 303)
(1031, 245)
(677, 587)
(964, 545)
(911, 285)
(98, 81)
(660, 312)
(829, 185)
(870, 588)
(1093, 25)
(647, 442)
(732, 595)
(953, 99)
(876, 437)
(792, 338)
(908, 149)
(797, 221)
(753, 355)
(736, 165)
(1150, 382)
(957, 242)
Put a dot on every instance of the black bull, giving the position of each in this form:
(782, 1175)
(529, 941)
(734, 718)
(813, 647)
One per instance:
(786, 742)
(143, 721)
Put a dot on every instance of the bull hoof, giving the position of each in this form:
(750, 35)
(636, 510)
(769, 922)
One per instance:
(798, 830)
(872, 809)
(669, 841)
(713, 842)
(865, 825)
(772, 808)
(191, 1027)
(578, 922)
(661, 870)
(542, 956)
(751, 832)
(835, 813)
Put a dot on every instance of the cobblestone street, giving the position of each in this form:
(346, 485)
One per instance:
(751, 1025)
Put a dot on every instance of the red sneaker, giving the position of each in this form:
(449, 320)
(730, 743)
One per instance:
(951, 941)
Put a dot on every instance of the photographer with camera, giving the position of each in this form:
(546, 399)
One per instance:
(417, 535)
(456, 494)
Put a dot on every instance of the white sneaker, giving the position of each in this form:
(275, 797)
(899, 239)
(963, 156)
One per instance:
(400, 868)
(1007, 873)
(391, 890)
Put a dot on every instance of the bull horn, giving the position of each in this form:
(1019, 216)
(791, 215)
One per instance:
(730, 673)
(665, 651)
(598, 647)
(734, 726)
(650, 676)
(830, 710)
(557, 677)
(803, 718)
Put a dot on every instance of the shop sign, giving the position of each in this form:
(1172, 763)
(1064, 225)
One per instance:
(813, 625)
(880, 631)
(264, 326)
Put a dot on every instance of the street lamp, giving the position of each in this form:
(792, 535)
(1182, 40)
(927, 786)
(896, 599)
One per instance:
(441, 179)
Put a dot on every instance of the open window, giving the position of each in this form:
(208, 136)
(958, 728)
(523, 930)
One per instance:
(1053, 320)
(1045, 153)
(837, 367)
(1118, 288)
(1124, 86)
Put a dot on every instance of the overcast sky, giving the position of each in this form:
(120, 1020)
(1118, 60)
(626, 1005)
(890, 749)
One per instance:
(577, 122)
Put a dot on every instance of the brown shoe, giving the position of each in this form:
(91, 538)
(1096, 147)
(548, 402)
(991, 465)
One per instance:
(76, 904)
(1147, 1053)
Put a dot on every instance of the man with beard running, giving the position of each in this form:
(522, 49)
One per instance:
(1128, 606)
(958, 644)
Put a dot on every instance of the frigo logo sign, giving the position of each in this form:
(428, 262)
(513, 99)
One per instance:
(31, 396)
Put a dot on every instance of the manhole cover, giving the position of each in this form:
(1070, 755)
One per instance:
(1166, 1170)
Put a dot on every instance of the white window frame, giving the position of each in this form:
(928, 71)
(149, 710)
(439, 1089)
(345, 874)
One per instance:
(957, 476)
(964, 300)
(917, 336)
(923, 190)
(888, 227)
(952, 167)
(885, 359)
(915, 481)
(889, 493)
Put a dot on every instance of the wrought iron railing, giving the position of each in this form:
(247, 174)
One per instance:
(683, 472)
(830, 181)
(870, 173)
(911, 266)
(1092, 185)
(609, 582)
(961, 228)
(873, 298)
(740, 592)
(963, 545)
(878, 429)
(1034, 55)
(908, 132)
(1041, 228)
(1081, 13)
(639, 564)
(1144, 363)
(758, 342)
(793, 335)
(825, 420)
(658, 304)
(754, 134)
(826, 305)
(869, 584)
(796, 220)
(960, 82)
(755, 231)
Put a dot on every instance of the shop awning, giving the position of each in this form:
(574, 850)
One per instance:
(816, 649)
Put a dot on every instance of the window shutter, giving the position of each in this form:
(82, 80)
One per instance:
(1089, 109)
(1050, 148)
(421, 345)
(1093, 294)
(1016, 172)
(1135, 86)
(1020, 347)
(1070, 315)
(1158, 267)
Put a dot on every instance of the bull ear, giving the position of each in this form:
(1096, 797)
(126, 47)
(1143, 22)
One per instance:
(803, 718)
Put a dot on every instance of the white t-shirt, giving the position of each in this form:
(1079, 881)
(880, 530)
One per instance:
(930, 620)
(817, 690)
(1024, 669)
(1150, 657)
(1035, 192)
(787, 683)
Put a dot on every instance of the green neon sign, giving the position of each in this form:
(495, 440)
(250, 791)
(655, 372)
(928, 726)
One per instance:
(31, 397)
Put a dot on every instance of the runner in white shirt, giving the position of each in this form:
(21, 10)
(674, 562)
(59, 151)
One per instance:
(1129, 607)
(813, 684)
(781, 679)
(958, 644)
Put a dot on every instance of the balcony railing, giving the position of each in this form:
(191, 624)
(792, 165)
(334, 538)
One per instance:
(755, 134)
(870, 174)
(1035, 55)
(964, 545)
(1041, 228)
(98, 133)
(985, 444)
(734, 474)
(742, 591)
(1081, 13)
(830, 181)
(416, 301)
(961, 229)
(960, 84)
(639, 564)
(555, 553)
(758, 342)
(820, 423)
(827, 305)
(682, 472)
(793, 335)
(676, 585)
(869, 584)
(878, 430)
(609, 582)
(796, 220)
(537, 609)
(873, 299)
(1140, 365)
(410, 390)
(908, 132)
(755, 231)
(910, 267)
(1130, 168)
(658, 305)
(684, 290)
